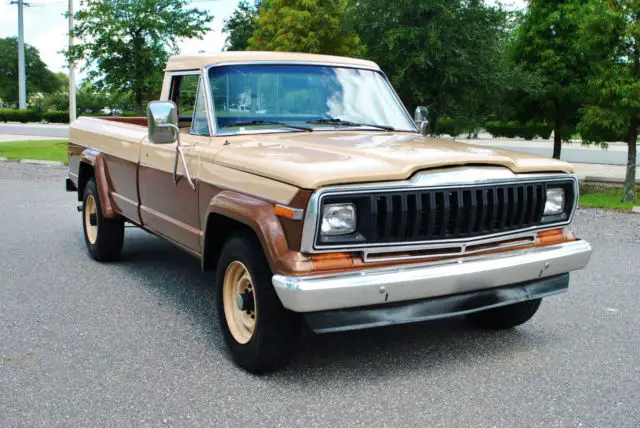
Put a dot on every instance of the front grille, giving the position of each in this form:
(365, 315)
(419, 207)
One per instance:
(445, 214)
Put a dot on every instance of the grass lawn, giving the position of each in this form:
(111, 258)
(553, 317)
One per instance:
(606, 198)
(50, 150)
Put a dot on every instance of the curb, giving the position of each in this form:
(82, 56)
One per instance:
(635, 210)
(3, 159)
(597, 179)
(41, 162)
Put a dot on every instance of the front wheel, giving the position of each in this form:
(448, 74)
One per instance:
(505, 317)
(259, 332)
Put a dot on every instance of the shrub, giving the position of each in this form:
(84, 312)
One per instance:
(528, 131)
(56, 116)
(448, 126)
(22, 116)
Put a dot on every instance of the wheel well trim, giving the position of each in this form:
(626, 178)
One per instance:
(256, 214)
(98, 165)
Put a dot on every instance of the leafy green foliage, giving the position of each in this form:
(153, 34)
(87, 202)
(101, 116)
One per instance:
(22, 116)
(89, 99)
(126, 43)
(445, 54)
(240, 26)
(610, 38)
(39, 78)
(513, 129)
(545, 44)
(313, 26)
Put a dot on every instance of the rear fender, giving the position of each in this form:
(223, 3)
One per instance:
(97, 162)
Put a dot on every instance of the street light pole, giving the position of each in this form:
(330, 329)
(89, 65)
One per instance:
(22, 80)
(72, 69)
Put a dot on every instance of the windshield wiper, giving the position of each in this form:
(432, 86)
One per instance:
(340, 122)
(268, 122)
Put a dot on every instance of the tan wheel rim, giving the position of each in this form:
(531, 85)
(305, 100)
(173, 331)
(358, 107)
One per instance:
(90, 209)
(239, 302)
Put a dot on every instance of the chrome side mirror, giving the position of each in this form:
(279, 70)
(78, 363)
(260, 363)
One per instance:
(162, 119)
(421, 118)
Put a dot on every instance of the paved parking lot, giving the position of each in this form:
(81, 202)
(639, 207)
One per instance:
(135, 343)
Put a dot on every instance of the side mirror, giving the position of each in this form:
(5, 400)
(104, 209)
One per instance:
(421, 118)
(162, 118)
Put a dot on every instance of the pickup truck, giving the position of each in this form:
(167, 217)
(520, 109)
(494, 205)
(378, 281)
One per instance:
(323, 202)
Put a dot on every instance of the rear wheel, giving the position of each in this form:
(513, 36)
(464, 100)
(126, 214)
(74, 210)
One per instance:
(504, 317)
(259, 332)
(103, 236)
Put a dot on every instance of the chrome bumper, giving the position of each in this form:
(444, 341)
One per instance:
(422, 281)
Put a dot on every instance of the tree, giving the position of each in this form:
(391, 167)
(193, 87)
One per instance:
(611, 40)
(39, 78)
(126, 43)
(546, 44)
(240, 26)
(313, 26)
(445, 54)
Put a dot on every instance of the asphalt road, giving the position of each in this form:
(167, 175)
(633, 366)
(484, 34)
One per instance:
(134, 343)
(34, 130)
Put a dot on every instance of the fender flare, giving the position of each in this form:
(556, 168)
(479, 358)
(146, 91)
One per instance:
(97, 161)
(257, 214)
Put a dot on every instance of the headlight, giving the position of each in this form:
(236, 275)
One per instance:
(555, 201)
(338, 219)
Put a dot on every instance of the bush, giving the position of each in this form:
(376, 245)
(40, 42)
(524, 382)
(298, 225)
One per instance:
(528, 131)
(448, 126)
(56, 116)
(22, 116)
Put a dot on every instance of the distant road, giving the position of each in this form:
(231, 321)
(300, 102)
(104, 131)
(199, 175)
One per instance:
(616, 154)
(35, 130)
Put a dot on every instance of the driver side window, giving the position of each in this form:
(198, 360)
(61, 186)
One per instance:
(189, 97)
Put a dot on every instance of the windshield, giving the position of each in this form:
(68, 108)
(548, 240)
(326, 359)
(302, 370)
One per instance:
(299, 98)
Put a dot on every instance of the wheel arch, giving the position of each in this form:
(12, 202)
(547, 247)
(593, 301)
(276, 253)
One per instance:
(93, 165)
(230, 212)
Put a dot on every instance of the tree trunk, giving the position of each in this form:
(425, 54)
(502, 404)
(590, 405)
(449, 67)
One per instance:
(629, 193)
(557, 138)
(433, 123)
(139, 106)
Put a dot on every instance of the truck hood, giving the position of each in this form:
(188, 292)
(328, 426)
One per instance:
(312, 160)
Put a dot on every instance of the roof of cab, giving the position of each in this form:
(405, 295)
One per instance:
(194, 62)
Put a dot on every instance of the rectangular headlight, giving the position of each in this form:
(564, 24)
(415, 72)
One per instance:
(338, 219)
(555, 201)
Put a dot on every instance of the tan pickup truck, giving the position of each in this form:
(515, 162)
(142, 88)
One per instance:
(305, 184)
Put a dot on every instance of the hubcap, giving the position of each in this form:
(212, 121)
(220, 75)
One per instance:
(239, 302)
(90, 219)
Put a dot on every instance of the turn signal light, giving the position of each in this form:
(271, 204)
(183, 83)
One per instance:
(292, 213)
(331, 261)
(553, 236)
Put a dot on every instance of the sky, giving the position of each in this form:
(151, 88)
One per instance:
(46, 28)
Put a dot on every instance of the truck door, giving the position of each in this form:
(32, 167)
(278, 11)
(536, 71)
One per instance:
(169, 209)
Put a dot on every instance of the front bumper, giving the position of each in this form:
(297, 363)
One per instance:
(381, 286)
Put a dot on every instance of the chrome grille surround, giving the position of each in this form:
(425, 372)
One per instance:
(460, 178)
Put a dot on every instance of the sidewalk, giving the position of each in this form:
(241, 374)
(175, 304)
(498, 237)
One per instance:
(592, 172)
(9, 138)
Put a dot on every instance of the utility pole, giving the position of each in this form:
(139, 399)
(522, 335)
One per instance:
(72, 69)
(22, 80)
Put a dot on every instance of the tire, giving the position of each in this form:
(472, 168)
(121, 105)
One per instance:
(104, 238)
(505, 317)
(259, 340)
